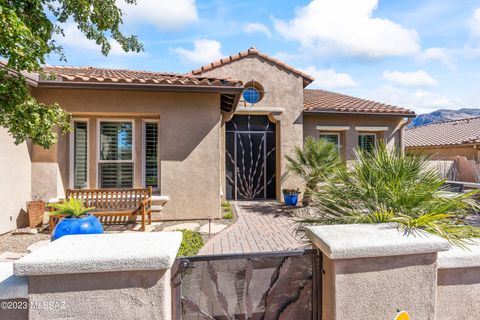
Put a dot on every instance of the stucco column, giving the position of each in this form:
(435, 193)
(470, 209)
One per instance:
(372, 271)
(114, 276)
(458, 291)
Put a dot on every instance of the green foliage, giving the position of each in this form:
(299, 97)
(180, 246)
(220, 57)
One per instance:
(315, 162)
(291, 192)
(228, 215)
(27, 30)
(71, 207)
(191, 244)
(387, 186)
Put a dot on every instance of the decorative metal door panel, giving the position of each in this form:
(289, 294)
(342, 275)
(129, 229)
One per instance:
(250, 158)
(260, 286)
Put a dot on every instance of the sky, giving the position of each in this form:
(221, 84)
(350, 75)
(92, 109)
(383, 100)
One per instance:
(419, 54)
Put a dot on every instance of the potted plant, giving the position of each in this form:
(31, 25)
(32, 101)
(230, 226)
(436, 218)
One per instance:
(290, 196)
(36, 210)
(75, 219)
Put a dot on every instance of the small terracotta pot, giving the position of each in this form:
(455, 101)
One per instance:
(35, 210)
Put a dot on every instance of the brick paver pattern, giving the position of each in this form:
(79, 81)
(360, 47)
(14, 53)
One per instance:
(261, 226)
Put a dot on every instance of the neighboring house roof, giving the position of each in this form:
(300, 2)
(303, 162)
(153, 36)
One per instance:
(307, 79)
(321, 101)
(453, 132)
(102, 75)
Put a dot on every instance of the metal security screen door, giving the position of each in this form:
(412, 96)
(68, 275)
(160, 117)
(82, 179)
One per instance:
(250, 158)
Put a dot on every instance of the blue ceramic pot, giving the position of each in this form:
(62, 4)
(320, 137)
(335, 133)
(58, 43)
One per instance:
(290, 199)
(88, 224)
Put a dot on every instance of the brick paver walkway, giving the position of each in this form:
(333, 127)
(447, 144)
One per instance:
(261, 226)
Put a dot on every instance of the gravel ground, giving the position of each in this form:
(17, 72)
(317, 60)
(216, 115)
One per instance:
(20, 242)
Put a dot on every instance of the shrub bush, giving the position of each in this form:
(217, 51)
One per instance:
(192, 242)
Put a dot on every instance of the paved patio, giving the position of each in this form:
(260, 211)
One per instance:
(261, 226)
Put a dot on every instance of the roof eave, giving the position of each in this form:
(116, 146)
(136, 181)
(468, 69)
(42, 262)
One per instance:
(139, 86)
(391, 114)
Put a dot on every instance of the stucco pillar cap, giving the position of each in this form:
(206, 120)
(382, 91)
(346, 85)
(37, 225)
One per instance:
(372, 240)
(102, 253)
(457, 257)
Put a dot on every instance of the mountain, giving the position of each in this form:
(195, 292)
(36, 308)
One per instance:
(444, 115)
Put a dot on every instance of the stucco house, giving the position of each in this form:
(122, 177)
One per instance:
(218, 132)
(453, 140)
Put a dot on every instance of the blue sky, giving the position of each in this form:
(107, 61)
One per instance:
(419, 54)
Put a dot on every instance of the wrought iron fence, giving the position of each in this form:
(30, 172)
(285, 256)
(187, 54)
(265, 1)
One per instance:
(274, 285)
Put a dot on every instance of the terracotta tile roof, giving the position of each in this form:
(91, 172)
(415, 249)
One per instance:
(326, 101)
(307, 79)
(453, 132)
(101, 75)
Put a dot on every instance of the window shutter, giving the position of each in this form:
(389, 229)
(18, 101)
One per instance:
(80, 161)
(116, 175)
(151, 154)
(366, 142)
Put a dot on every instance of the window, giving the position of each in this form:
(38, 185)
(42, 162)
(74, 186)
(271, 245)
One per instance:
(251, 95)
(116, 154)
(150, 154)
(79, 155)
(331, 137)
(367, 141)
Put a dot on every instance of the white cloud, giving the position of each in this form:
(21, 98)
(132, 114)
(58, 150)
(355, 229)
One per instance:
(163, 14)
(472, 47)
(257, 27)
(75, 39)
(348, 27)
(329, 78)
(410, 79)
(204, 51)
(422, 101)
(442, 55)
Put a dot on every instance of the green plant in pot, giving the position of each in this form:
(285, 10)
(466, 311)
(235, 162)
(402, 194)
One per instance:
(75, 218)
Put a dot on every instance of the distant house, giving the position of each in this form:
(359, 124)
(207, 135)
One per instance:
(455, 140)
(198, 138)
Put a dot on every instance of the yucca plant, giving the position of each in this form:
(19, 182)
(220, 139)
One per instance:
(315, 162)
(70, 207)
(388, 186)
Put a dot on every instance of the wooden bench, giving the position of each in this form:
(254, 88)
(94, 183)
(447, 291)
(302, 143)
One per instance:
(111, 205)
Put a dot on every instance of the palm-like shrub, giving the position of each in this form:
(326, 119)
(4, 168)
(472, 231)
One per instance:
(315, 162)
(71, 207)
(387, 186)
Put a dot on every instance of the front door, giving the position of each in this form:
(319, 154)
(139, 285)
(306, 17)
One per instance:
(250, 158)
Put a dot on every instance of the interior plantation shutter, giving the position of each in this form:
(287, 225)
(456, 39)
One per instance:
(116, 166)
(80, 161)
(366, 142)
(151, 154)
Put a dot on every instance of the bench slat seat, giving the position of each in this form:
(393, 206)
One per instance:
(113, 203)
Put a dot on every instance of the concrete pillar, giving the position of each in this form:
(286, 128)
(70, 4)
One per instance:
(373, 271)
(458, 291)
(108, 276)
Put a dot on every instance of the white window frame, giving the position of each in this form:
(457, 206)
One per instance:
(332, 134)
(144, 169)
(71, 174)
(369, 134)
(133, 161)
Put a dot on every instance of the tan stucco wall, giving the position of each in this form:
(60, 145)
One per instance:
(142, 294)
(284, 90)
(375, 288)
(446, 153)
(349, 138)
(15, 182)
(189, 142)
(458, 294)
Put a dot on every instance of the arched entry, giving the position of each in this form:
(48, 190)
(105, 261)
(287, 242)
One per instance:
(250, 158)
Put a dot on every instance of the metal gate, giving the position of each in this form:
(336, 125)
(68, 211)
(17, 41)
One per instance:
(250, 158)
(271, 285)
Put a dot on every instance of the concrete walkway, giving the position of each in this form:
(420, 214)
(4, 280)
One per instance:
(261, 226)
